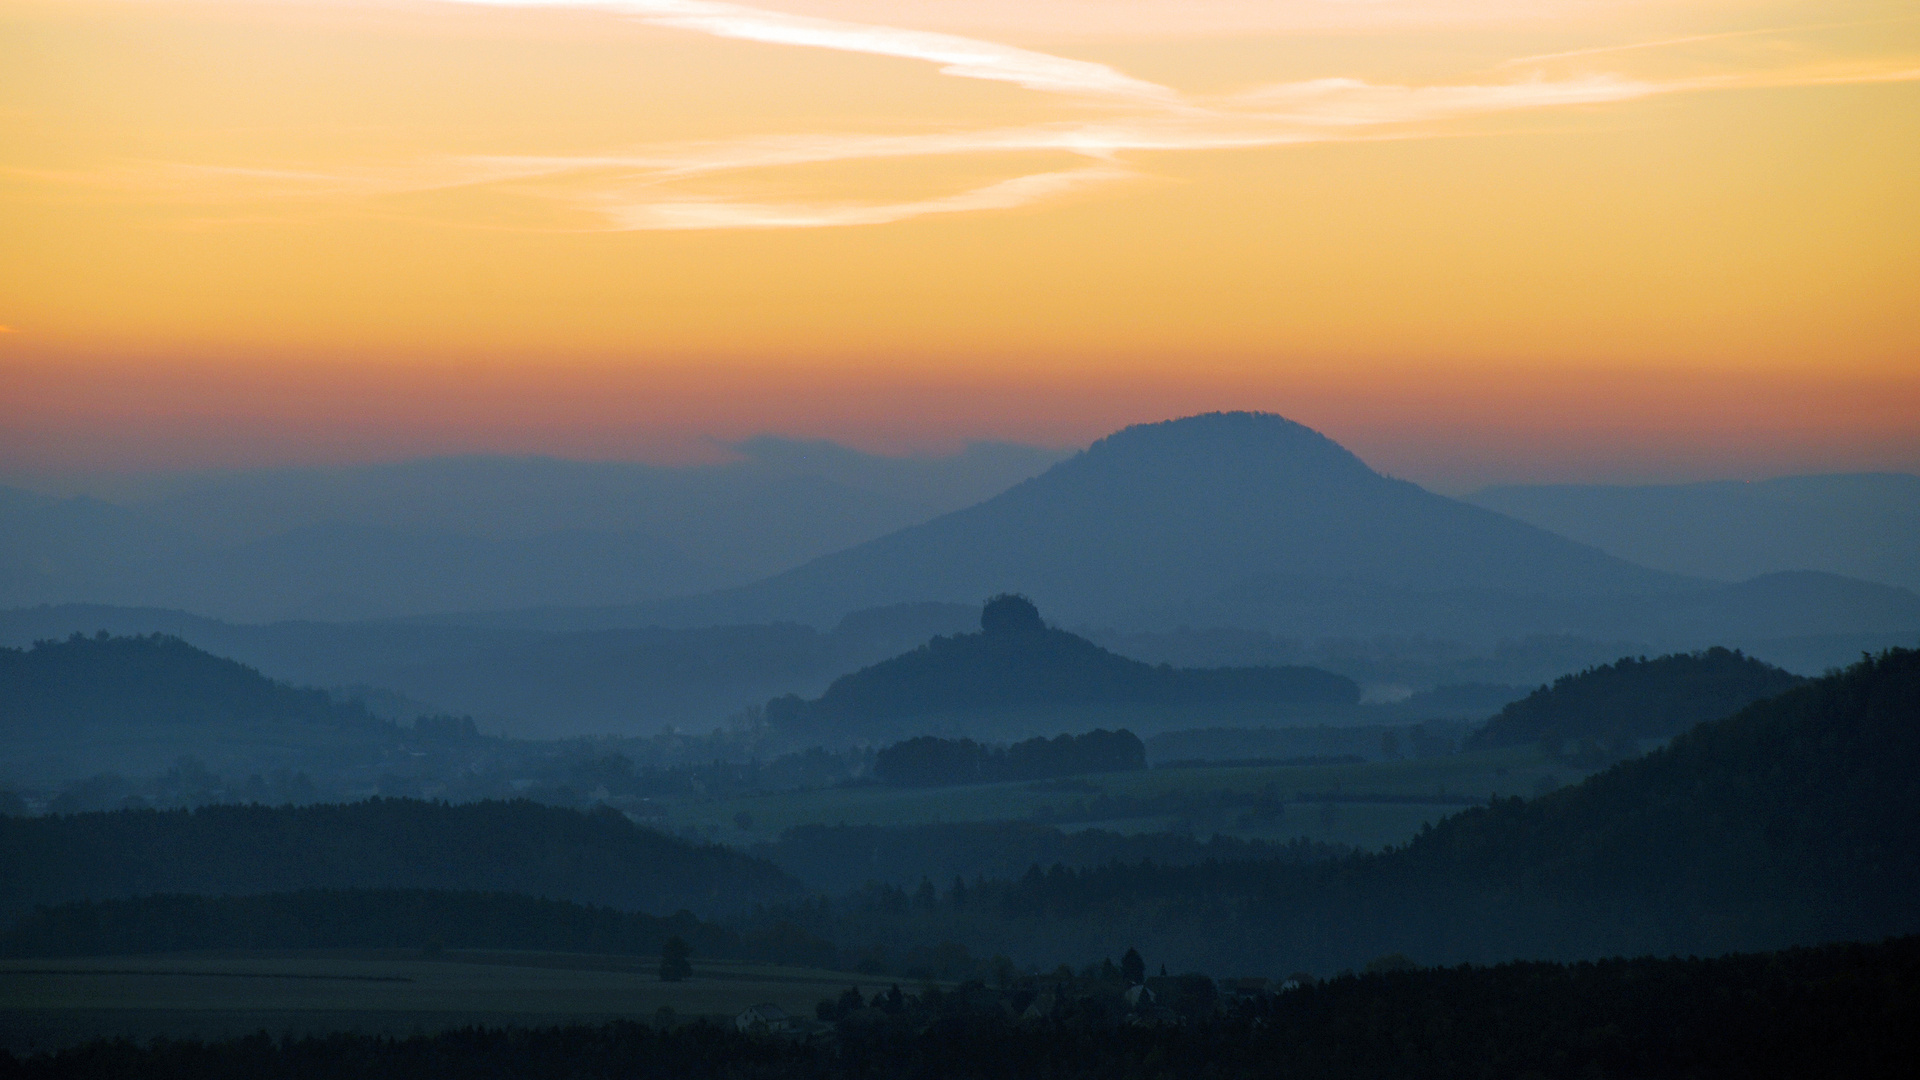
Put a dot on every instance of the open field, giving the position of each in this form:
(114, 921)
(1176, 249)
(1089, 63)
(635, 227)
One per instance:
(53, 1002)
(1367, 805)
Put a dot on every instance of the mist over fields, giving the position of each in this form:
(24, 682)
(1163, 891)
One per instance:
(546, 597)
(1212, 692)
(444, 535)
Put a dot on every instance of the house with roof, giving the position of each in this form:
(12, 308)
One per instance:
(764, 1019)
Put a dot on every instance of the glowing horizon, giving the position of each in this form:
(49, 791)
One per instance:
(1573, 240)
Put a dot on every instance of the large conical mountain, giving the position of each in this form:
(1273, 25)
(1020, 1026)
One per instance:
(1162, 514)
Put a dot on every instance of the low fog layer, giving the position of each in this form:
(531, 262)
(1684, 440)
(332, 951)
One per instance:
(474, 534)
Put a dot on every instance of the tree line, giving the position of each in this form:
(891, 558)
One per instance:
(928, 761)
(597, 857)
(1841, 1010)
(1795, 820)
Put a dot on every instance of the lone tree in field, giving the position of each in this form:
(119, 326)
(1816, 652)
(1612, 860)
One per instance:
(675, 960)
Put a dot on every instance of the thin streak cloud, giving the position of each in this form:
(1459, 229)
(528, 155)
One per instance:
(1696, 39)
(967, 58)
(716, 214)
(637, 195)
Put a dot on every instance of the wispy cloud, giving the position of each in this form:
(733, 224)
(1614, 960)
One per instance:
(637, 190)
(967, 58)
(1699, 39)
(717, 214)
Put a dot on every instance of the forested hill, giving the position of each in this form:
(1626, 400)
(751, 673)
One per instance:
(151, 680)
(1635, 698)
(598, 857)
(1016, 661)
(1796, 820)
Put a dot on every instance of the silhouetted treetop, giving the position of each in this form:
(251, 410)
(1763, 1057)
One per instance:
(1010, 613)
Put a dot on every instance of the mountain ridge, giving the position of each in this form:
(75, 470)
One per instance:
(1200, 504)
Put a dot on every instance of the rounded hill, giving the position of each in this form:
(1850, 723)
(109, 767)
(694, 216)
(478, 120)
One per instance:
(1159, 514)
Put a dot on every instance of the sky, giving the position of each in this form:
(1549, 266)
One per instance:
(1490, 241)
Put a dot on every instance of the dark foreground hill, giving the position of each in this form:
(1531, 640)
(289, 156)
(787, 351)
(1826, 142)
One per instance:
(149, 680)
(105, 704)
(1794, 821)
(1016, 663)
(594, 858)
(425, 919)
(1635, 698)
(1851, 1011)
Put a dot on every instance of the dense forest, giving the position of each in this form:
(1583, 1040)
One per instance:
(931, 762)
(1017, 661)
(1614, 706)
(1796, 820)
(1849, 1010)
(595, 857)
(840, 858)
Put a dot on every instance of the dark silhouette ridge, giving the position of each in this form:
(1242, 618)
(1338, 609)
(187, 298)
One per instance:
(597, 857)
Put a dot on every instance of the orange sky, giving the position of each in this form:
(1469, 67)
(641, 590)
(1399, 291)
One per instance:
(1475, 241)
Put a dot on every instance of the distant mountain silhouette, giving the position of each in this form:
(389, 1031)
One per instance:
(1250, 520)
(1861, 525)
(1017, 662)
(1635, 698)
(1161, 513)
